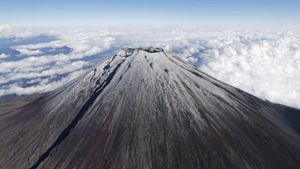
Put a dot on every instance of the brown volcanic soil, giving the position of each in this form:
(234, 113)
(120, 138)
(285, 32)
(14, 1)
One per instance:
(13, 104)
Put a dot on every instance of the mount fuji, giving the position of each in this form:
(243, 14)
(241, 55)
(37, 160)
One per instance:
(143, 108)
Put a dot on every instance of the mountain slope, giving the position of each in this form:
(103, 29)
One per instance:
(143, 108)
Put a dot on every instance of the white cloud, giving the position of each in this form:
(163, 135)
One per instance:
(3, 56)
(266, 66)
(43, 71)
(4, 28)
(28, 51)
(45, 85)
(264, 63)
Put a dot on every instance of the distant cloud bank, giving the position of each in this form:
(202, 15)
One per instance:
(265, 63)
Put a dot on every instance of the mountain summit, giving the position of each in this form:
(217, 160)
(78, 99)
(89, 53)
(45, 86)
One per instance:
(145, 109)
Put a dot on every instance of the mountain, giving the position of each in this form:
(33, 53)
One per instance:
(145, 109)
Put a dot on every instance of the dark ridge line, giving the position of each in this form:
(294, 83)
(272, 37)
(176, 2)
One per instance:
(106, 67)
(77, 118)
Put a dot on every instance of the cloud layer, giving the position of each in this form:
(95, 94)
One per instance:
(267, 66)
(265, 63)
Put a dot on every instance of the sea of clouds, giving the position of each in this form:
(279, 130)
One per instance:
(263, 62)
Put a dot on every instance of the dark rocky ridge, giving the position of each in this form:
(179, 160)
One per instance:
(143, 109)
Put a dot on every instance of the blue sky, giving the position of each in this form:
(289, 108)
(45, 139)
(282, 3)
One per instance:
(99, 12)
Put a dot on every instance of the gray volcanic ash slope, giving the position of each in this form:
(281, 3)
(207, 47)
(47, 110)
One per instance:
(144, 109)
